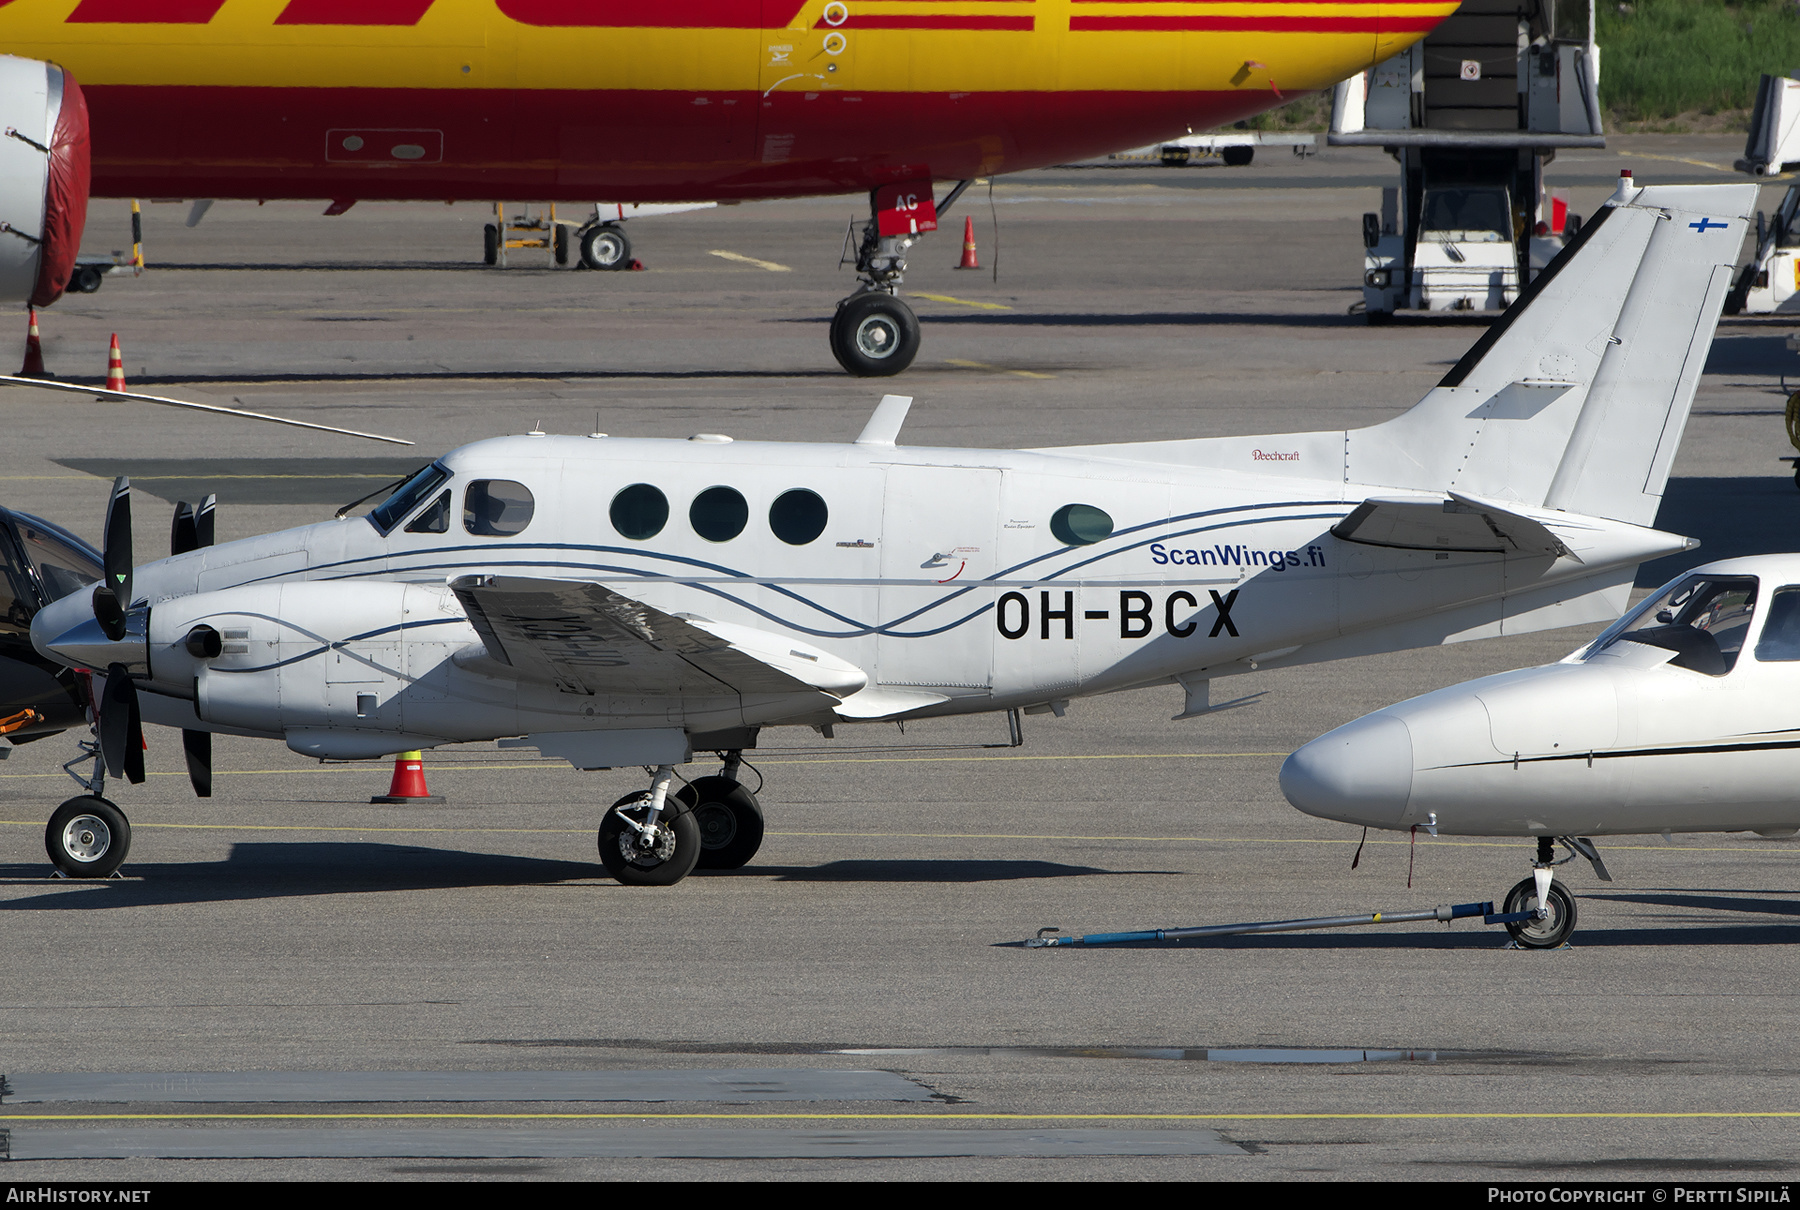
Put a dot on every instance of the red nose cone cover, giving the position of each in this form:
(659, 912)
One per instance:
(66, 199)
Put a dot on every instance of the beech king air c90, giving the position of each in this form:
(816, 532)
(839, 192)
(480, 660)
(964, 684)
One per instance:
(630, 602)
(630, 100)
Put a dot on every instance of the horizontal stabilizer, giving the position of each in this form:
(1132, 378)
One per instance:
(585, 638)
(1460, 523)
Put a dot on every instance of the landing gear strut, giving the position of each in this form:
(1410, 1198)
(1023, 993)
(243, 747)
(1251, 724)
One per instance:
(874, 334)
(1558, 921)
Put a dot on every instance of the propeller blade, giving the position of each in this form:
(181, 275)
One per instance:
(112, 597)
(197, 745)
(121, 728)
(203, 523)
(182, 535)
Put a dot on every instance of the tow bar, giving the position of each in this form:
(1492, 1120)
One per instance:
(1445, 912)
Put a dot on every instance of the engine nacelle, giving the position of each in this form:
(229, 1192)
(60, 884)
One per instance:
(43, 179)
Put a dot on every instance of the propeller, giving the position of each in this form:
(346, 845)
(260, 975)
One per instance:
(192, 529)
(193, 526)
(121, 729)
(112, 596)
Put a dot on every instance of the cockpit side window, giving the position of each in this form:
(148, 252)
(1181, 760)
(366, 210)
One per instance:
(434, 520)
(18, 596)
(408, 496)
(64, 564)
(1702, 619)
(1780, 638)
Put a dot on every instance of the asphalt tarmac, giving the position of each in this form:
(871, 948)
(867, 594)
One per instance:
(289, 982)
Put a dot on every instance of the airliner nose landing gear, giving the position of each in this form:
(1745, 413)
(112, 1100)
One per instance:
(874, 334)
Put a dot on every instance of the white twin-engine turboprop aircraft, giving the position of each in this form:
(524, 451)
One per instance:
(629, 602)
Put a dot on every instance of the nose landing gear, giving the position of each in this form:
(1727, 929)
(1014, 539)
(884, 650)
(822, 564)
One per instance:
(874, 334)
(1557, 922)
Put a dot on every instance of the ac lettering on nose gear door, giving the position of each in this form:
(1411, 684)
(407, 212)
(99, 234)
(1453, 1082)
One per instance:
(1137, 609)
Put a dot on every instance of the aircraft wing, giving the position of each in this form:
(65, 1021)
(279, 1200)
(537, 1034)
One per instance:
(1464, 523)
(586, 638)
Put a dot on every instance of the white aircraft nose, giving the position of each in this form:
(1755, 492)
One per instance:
(1361, 773)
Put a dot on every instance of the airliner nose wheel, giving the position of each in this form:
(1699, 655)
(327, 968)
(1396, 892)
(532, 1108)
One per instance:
(874, 335)
(605, 247)
(650, 838)
(88, 837)
(729, 818)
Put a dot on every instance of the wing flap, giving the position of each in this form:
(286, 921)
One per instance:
(586, 638)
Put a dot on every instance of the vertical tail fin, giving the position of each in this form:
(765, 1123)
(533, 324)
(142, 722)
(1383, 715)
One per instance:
(1576, 398)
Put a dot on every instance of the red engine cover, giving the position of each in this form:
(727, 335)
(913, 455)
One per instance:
(66, 198)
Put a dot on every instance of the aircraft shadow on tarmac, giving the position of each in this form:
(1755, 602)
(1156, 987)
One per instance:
(1766, 356)
(285, 870)
(1757, 514)
(936, 871)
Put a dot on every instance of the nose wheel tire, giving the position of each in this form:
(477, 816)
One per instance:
(1550, 932)
(605, 248)
(664, 857)
(729, 818)
(88, 837)
(874, 335)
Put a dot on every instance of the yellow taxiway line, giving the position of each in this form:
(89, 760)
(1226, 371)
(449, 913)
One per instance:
(982, 365)
(961, 302)
(741, 259)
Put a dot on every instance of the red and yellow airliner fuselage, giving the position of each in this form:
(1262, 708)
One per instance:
(665, 100)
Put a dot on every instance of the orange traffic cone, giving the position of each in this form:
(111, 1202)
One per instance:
(968, 260)
(34, 350)
(409, 781)
(636, 265)
(115, 368)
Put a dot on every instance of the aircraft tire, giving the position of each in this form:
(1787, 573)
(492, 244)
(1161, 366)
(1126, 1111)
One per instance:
(490, 245)
(1541, 934)
(874, 335)
(672, 861)
(559, 242)
(730, 821)
(605, 247)
(87, 837)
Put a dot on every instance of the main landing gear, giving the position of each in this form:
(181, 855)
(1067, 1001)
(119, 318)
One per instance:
(874, 334)
(1553, 928)
(656, 837)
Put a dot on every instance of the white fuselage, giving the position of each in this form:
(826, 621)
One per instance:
(1624, 736)
(938, 573)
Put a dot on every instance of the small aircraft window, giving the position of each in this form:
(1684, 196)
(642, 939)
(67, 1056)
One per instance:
(1781, 628)
(798, 516)
(64, 563)
(18, 598)
(640, 511)
(1703, 620)
(408, 496)
(1080, 524)
(718, 514)
(434, 520)
(497, 507)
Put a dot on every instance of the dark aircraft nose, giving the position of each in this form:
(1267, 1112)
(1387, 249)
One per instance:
(1361, 773)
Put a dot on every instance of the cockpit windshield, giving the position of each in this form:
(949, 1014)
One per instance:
(1703, 619)
(1467, 215)
(409, 495)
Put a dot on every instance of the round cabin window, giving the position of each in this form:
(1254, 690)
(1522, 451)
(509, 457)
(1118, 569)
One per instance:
(718, 514)
(640, 511)
(798, 516)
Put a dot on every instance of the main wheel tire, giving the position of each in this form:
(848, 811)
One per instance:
(1237, 157)
(1544, 934)
(605, 247)
(729, 818)
(874, 335)
(668, 861)
(88, 837)
(490, 245)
